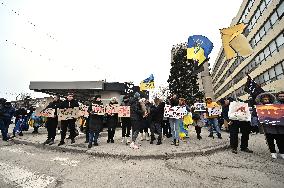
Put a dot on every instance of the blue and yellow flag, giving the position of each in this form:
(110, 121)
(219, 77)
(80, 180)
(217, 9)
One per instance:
(148, 83)
(198, 48)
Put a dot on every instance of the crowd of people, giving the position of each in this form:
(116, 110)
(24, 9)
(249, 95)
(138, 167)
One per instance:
(147, 119)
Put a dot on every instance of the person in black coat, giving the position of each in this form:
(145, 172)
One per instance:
(112, 121)
(52, 122)
(126, 122)
(156, 117)
(136, 116)
(70, 123)
(95, 123)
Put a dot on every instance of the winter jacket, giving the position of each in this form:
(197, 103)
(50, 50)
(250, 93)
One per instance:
(136, 112)
(68, 104)
(112, 119)
(157, 113)
(270, 129)
(95, 120)
(53, 105)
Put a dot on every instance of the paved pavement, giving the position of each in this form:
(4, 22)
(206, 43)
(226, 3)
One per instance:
(190, 147)
(30, 166)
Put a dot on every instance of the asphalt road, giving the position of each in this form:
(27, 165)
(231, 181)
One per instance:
(28, 166)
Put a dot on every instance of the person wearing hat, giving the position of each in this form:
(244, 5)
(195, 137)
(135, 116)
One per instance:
(212, 119)
(272, 132)
(95, 122)
(112, 121)
(70, 102)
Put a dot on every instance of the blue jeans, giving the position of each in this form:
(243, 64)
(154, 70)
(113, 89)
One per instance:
(174, 128)
(213, 123)
(93, 137)
(4, 130)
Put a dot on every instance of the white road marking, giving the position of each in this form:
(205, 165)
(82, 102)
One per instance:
(65, 161)
(23, 178)
(15, 150)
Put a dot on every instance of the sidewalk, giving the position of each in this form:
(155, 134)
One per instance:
(192, 146)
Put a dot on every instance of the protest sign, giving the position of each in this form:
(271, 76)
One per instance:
(271, 114)
(83, 111)
(175, 112)
(98, 109)
(69, 113)
(49, 112)
(239, 111)
(215, 111)
(111, 108)
(199, 107)
(124, 111)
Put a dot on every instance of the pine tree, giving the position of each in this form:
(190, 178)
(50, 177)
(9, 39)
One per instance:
(182, 81)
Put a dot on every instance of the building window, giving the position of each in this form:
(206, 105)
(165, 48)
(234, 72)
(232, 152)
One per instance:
(272, 73)
(274, 18)
(257, 61)
(267, 26)
(267, 2)
(261, 32)
(266, 52)
(257, 38)
(280, 9)
(278, 69)
(280, 41)
(272, 47)
(261, 57)
(262, 6)
(266, 76)
(257, 14)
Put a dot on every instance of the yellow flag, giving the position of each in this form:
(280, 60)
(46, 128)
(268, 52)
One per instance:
(234, 42)
(146, 86)
(196, 53)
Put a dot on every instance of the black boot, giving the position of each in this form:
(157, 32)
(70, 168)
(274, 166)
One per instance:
(159, 141)
(174, 142)
(152, 139)
(199, 137)
(89, 145)
(219, 136)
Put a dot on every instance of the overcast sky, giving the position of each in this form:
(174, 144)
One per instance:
(116, 40)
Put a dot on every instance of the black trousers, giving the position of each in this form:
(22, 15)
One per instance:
(87, 129)
(198, 130)
(234, 130)
(156, 128)
(51, 125)
(279, 141)
(70, 123)
(126, 127)
(111, 132)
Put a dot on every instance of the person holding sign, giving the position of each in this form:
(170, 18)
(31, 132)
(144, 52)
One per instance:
(126, 122)
(272, 132)
(112, 120)
(174, 122)
(95, 122)
(52, 122)
(212, 118)
(70, 123)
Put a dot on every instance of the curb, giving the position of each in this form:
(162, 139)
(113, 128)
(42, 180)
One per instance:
(164, 156)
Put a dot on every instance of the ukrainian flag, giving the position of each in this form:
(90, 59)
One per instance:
(198, 48)
(147, 84)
